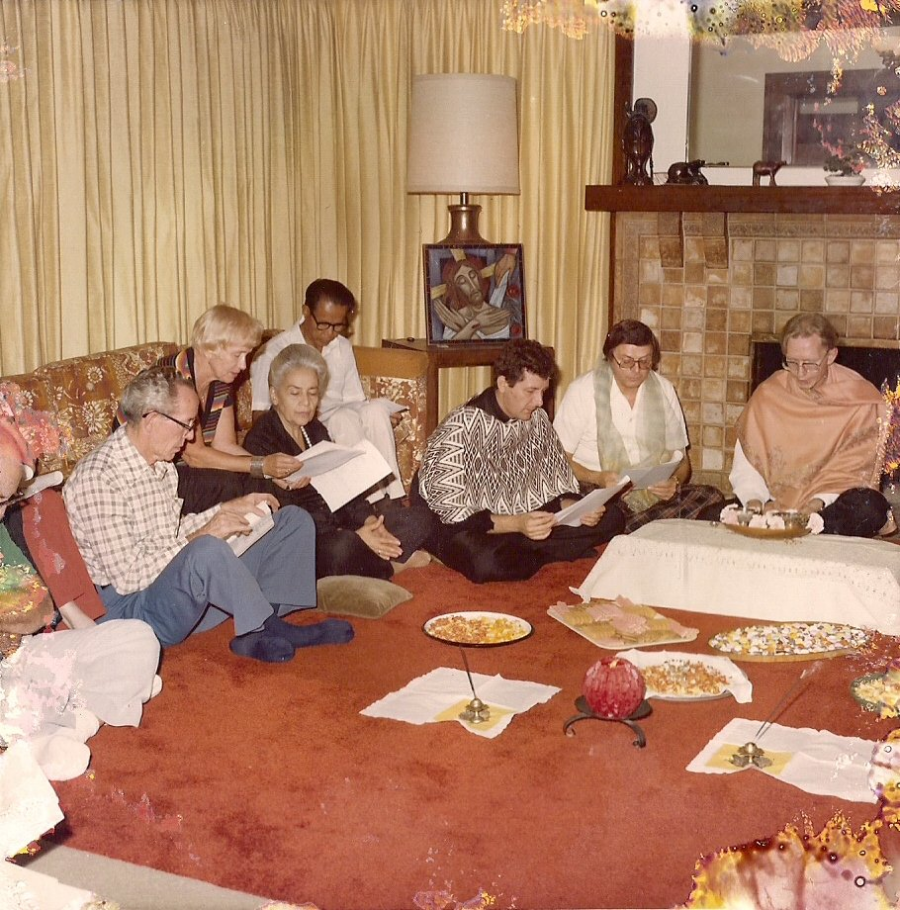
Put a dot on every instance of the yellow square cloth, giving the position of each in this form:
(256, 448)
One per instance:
(722, 760)
(496, 716)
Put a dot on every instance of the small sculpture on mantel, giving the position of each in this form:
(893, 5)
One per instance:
(637, 142)
(687, 173)
(766, 169)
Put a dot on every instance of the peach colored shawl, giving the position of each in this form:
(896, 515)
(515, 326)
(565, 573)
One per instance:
(808, 442)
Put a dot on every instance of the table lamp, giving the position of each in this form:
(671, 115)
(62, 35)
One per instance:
(463, 139)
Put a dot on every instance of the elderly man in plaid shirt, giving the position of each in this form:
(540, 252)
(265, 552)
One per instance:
(177, 572)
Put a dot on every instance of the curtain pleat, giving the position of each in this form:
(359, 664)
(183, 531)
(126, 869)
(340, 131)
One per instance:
(161, 156)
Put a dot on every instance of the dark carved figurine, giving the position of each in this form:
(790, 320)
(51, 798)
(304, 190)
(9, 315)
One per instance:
(687, 173)
(637, 142)
(766, 169)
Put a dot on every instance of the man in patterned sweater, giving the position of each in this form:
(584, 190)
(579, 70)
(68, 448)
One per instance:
(494, 473)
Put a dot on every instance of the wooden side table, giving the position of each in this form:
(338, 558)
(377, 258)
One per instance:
(453, 354)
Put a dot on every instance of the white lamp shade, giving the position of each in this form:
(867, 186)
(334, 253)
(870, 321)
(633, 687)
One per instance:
(463, 135)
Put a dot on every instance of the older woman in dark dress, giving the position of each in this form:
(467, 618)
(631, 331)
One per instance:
(353, 540)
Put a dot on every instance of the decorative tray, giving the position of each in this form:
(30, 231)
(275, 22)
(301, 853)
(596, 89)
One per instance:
(767, 533)
(477, 628)
(690, 679)
(682, 676)
(790, 641)
(619, 623)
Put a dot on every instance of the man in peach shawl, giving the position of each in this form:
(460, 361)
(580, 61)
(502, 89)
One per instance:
(808, 438)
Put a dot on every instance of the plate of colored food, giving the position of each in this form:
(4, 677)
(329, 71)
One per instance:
(790, 641)
(478, 628)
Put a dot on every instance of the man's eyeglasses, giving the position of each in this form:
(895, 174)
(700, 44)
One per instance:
(629, 363)
(802, 366)
(188, 428)
(336, 327)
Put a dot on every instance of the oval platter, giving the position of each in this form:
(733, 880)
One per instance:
(768, 533)
(477, 628)
(789, 641)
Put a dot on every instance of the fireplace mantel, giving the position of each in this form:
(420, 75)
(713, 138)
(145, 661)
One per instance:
(797, 200)
(713, 206)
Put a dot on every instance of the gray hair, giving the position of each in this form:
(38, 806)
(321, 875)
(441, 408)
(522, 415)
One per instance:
(153, 389)
(806, 325)
(298, 357)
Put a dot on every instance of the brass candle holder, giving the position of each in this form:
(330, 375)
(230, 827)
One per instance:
(750, 754)
(476, 711)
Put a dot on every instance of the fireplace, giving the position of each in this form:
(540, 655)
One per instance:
(718, 289)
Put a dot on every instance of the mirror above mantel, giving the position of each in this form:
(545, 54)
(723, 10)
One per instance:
(713, 104)
(748, 101)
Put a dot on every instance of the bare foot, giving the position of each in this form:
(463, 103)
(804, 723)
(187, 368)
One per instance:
(419, 559)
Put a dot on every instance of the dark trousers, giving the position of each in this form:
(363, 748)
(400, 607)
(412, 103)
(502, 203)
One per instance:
(514, 557)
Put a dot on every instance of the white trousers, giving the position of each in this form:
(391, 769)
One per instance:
(352, 423)
(57, 688)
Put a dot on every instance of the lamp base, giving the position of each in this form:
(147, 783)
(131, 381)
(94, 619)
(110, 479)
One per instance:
(464, 224)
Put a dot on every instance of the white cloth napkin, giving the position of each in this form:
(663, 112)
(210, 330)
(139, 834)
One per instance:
(738, 683)
(817, 761)
(426, 697)
(28, 804)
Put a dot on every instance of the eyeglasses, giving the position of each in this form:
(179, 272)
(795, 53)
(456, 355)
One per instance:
(187, 428)
(336, 327)
(629, 363)
(802, 366)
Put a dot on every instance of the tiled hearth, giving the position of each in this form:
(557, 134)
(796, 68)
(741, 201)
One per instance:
(707, 284)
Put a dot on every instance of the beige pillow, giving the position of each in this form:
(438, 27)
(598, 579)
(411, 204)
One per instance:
(356, 595)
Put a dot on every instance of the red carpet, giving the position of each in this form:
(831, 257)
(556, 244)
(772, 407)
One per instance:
(267, 779)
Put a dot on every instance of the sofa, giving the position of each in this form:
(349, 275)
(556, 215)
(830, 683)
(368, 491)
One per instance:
(77, 399)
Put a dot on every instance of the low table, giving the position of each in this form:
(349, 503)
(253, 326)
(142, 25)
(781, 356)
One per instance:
(698, 566)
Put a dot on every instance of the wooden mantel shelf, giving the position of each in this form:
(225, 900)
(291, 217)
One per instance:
(798, 200)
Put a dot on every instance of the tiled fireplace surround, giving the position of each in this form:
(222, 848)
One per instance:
(709, 284)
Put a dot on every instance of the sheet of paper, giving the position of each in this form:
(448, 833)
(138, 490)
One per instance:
(571, 516)
(259, 524)
(641, 478)
(338, 486)
(322, 457)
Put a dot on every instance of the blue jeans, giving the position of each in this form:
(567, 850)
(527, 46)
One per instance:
(205, 583)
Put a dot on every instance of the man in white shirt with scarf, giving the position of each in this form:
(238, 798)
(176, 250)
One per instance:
(623, 414)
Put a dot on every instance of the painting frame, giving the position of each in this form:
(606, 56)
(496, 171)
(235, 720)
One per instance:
(464, 302)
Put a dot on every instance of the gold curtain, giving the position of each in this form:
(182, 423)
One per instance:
(160, 156)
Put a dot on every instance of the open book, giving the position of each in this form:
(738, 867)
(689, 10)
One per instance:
(261, 522)
(571, 515)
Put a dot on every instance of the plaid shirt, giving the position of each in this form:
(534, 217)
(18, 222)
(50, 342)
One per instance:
(126, 515)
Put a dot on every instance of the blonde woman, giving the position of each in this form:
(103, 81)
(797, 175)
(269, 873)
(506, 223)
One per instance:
(213, 467)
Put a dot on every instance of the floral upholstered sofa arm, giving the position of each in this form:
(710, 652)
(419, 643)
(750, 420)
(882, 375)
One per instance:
(66, 409)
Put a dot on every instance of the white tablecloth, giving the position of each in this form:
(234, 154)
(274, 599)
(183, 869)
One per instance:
(693, 565)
